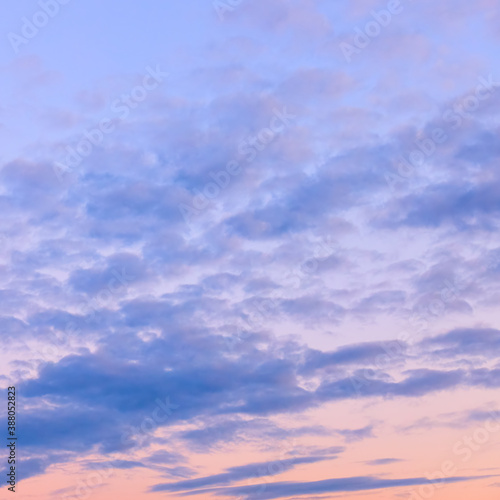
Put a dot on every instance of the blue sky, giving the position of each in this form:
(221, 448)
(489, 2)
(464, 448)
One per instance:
(241, 260)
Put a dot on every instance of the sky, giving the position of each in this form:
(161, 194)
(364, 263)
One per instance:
(249, 249)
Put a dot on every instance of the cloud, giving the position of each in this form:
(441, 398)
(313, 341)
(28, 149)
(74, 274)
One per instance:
(165, 457)
(278, 299)
(354, 354)
(271, 491)
(120, 384)
(236, 430)
(383, 461)
(483, 342)
(351, 435)
(239, 473)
